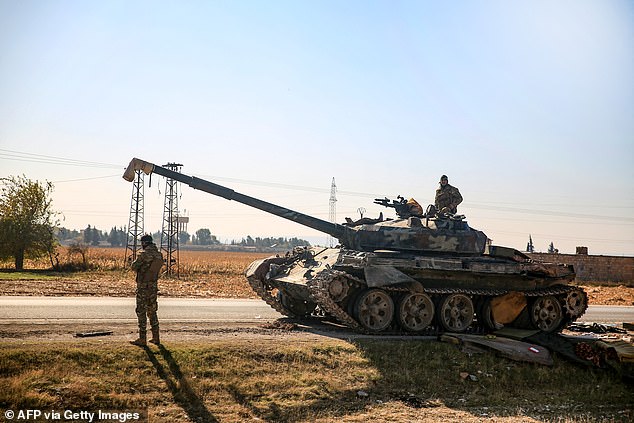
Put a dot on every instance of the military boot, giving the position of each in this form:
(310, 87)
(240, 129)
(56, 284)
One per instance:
(141, 340)
(155, 336)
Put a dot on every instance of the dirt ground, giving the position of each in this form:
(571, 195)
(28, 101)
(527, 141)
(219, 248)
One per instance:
(122, 285)
(109, 332)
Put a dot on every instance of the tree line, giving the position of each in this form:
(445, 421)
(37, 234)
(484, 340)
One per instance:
(280, 242)
(117, 237)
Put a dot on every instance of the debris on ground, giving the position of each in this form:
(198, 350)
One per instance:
(280, 324)
(94, 333)
(535, 346)
(506, 347)
(594, 328)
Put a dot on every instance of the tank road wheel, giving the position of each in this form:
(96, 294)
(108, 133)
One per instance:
(455, 313)
(374, 309)
(576, 303)
(415, 311)
(546, 313)
(485, 316)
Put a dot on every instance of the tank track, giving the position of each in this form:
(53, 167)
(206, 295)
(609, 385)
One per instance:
(318, 287)
(262, 290)
(319, 293)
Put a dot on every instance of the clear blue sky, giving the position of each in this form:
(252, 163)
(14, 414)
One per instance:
(527, 106)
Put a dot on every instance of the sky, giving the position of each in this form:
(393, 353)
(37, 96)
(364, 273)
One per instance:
(527, 106)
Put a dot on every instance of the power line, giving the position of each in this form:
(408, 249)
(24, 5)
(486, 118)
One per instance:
(87, 179)
(41, 158)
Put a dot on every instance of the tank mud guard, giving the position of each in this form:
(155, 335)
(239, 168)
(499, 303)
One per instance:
(256, 276)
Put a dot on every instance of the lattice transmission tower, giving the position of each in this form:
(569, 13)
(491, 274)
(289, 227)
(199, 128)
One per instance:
(332, 213)
(169, 233)
(135, 223)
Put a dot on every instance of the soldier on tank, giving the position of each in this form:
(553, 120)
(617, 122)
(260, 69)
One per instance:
(147, 266)
(447, 197)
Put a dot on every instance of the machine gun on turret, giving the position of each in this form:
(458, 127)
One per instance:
(404, 208)
(411, 208)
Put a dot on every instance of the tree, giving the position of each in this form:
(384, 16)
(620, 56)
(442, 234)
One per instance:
(530, 247)
(203, 236)
(64, 234)
(117, 237)
(27, 221)
(552, 249)
(183, 237)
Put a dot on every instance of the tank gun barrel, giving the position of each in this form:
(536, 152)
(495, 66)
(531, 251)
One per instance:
(333, 229)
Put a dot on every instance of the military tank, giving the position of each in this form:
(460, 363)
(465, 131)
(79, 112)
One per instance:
(416, 273)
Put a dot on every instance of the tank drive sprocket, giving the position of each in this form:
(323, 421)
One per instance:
(320, 293)
(576, 303)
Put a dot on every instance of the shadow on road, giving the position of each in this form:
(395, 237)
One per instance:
(179, 386)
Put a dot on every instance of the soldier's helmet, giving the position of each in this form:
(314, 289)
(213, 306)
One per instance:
(444, 177)
(146, 239)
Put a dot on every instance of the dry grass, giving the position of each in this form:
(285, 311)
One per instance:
(201, 274)
(326, 381)
(113, 259)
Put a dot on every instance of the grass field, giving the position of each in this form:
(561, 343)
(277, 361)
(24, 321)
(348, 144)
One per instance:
(201, 274)
(368, 380)
(113, 259)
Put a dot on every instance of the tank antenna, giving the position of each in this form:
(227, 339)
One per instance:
(332, 214)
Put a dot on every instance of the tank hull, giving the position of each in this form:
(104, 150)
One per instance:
(379, 291)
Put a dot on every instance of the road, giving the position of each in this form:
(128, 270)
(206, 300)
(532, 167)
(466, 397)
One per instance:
(116, 309)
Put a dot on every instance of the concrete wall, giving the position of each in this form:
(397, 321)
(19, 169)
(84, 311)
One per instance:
(610, 269)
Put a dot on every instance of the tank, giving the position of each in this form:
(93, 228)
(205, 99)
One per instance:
(415, 273)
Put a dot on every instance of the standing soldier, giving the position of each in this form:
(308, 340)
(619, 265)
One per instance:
(447, 197)
(147, 266)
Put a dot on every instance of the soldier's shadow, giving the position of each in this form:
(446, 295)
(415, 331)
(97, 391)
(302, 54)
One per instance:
(179, 386)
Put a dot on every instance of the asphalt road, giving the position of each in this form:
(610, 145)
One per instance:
(117, 309)
(112, 309)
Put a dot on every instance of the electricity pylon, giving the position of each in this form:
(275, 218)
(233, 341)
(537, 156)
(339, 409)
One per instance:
(135, 223)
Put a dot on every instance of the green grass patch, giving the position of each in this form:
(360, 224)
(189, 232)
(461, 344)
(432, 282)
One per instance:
(33, 275)
(327, 381)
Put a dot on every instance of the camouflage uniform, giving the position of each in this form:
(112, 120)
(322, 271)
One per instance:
(448, 197)
(147, 266)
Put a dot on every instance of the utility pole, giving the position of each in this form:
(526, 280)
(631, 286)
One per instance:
(332, 214)
(169, 233)
(135, 223)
